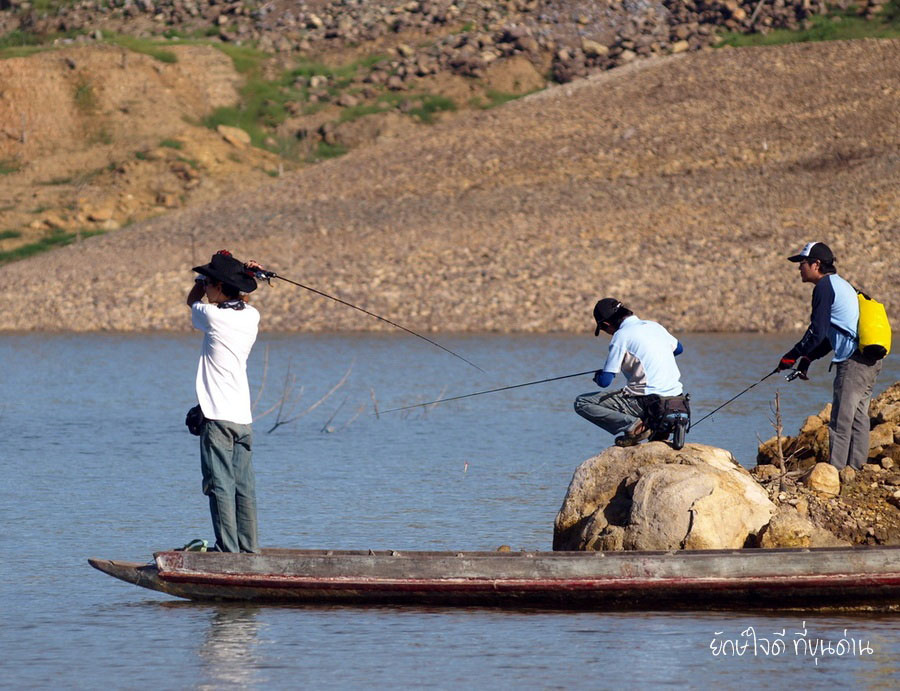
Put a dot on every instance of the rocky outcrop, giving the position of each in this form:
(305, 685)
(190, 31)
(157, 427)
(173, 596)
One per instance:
(810, 446)
(858, 507)
(573, 36)
(652, 497)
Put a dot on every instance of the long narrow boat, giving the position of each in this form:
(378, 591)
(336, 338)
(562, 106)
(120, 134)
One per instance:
(776, 578)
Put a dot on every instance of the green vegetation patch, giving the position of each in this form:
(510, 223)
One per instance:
(9, 165)
(497, 98)
(9, 234)
(205, 32)
(432, 104)
(338, 77)
(172, 144)
(21, 44)
(146, 46)
(426, 105)
(264, 102)
(837, 25)
(324, 150)
(85, 98)
(55, 238)
(246, 59)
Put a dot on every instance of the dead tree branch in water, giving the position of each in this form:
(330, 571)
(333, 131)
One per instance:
(288, 399)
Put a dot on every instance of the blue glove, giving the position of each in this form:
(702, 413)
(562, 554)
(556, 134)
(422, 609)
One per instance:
(603, 379)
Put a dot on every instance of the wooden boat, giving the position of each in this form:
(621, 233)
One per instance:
(774, 578)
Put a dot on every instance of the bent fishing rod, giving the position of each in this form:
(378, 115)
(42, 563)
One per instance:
(774, 371)
(481, 393)
(269, 275)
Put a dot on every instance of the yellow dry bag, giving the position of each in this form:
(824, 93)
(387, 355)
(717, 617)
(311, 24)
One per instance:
(874, 328)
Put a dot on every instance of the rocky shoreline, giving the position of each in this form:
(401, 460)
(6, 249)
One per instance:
(568, 38)
(652, 497)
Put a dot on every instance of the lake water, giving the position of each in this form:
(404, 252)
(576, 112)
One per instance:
(97, 462)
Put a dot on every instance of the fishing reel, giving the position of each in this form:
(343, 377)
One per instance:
(795, 374)
(262, 275)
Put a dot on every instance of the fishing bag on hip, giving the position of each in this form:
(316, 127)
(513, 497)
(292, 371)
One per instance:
(195, 420)
(664, 411)
(874, 328)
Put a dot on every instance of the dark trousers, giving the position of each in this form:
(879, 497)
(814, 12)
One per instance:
(848, 437)
(228, 480)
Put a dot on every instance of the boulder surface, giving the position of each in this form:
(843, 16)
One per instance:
(652, 497)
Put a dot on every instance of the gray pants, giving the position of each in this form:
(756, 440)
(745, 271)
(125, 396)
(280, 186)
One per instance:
(615, 412)
(849, 425)
(229, 482)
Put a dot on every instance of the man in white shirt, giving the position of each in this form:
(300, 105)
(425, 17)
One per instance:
(644, 352)
(229, 325)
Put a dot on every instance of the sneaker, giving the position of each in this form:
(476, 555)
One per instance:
(196, 545)
(633, 439)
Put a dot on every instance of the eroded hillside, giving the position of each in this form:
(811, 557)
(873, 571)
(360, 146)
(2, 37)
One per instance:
(678, 184)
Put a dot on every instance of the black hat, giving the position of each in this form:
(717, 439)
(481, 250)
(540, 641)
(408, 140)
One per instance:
(604, 311)
(814, 251)
(225, 268)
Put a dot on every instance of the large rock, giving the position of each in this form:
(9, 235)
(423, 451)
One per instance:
(654, 497)
(789, 529)
(824, 478)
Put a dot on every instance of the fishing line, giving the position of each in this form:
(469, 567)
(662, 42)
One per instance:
(774, 371)
(479, 393)
(268, 275)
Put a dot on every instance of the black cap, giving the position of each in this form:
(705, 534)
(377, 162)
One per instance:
(604, 311)
(814, 251)
(225, 268)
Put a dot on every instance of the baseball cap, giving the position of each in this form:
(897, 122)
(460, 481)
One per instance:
(813, 251)
(604, 310)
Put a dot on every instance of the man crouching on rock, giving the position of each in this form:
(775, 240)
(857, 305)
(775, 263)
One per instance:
(229, 326)
(645, 353)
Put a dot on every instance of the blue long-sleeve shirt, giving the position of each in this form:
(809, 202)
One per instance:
(833, 321)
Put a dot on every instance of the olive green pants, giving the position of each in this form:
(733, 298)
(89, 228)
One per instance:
(226, 461)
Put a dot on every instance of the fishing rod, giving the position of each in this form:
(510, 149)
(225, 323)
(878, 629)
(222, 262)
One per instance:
(269, 275)
(480, 393)
(774, 371)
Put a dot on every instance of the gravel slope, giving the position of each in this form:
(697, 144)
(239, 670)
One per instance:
(678, 185)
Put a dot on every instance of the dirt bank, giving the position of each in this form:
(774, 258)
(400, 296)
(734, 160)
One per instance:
(101, 136)
(678, 184)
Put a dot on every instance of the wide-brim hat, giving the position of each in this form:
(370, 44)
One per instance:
(604, 311)
(226, 269)
(814, 251)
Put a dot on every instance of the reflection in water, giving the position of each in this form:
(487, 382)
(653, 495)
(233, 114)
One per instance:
(229, 652)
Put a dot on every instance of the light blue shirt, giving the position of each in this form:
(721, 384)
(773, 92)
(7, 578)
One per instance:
(834, 320)
(843, 334)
